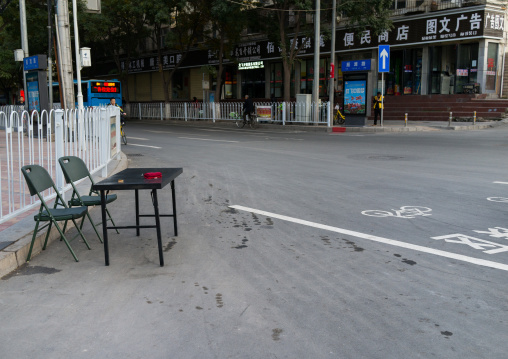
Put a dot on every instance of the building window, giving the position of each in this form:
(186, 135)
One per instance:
(492, 52)
(307, 76)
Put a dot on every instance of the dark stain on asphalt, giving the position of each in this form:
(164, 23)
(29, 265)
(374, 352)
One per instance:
(199, 308)
(243, 245)
(447, 334)
(170, 245)
(326, 240)
(27, 270)
(269, 221)
(397, 255)
(353, 244)
(407, 261)
(276, 334)
(248, 229)
(218, 299)
(256, 219)
(208, 200)
(230, 211)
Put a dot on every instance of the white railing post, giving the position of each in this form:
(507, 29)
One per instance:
(139, 104)
(59, 149)
(161, 111)
(103, 142)
(283, 113)
(328, 115)
(185, 110)
(213, 111)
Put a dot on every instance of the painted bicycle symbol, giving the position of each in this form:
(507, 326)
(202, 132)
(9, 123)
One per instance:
(498, 199)
(403, 212)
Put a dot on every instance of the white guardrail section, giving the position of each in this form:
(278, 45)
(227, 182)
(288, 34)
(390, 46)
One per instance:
(277, 112)
(91, 134)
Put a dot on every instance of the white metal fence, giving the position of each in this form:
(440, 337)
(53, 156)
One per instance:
(270, 112)
(41, 139)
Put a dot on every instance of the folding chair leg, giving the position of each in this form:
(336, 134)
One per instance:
(66, 242)
(111, 219)
(33, 240)
(47, 236)
(81, 234)
(94, 227)
(65, 226)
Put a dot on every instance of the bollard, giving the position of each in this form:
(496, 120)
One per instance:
(450, 120)
(405, 121)
(474, 118)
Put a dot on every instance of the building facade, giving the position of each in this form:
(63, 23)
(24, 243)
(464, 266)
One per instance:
(436, 47)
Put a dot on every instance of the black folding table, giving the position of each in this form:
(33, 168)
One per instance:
(133, 179)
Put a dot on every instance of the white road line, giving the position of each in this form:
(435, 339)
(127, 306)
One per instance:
(133, 144)
(391, 242)
(500, 182)
(138, 138)
(207, 139)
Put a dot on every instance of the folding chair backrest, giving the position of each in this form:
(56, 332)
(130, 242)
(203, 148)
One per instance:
(37, 179)
(74, 169)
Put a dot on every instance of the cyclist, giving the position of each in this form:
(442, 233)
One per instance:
(112, 102)
(248, 108)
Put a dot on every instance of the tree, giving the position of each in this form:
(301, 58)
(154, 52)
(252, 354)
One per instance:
(186, 23)
(115, 33)
(227, 21)
(286, 21)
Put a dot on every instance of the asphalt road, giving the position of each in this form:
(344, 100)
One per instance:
(291, 245)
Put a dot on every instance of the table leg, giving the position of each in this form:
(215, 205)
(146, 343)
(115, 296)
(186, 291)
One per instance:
(137, 212)
(158, 224)
(174, 207)
(104, 227)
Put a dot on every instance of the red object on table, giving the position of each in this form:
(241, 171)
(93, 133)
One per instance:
(152, 175)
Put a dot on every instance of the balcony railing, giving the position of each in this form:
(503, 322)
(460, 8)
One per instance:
(403, 7)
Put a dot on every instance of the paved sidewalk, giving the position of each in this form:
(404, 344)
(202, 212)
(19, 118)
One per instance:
(17, 236)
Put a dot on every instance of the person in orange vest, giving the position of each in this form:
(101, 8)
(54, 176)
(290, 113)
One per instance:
(378, 106)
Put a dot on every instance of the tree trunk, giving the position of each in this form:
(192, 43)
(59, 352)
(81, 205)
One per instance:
(219, 73)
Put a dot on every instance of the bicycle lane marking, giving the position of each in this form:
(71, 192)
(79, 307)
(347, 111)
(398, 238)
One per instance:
(392, 242)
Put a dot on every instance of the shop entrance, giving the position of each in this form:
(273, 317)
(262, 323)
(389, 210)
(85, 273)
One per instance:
(253, 83)
(405, 76)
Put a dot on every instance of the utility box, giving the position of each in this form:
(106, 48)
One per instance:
(86, 57)
(303, 107)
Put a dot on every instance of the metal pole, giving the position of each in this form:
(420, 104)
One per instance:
(50, 62)
(382, 96)
(315, 84)
(24, 42)
(332, 58)
(474, 118)
(78, 57)
(405, 121)
(450, 120)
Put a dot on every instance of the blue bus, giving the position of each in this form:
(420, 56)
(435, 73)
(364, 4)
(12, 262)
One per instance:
(95, 92)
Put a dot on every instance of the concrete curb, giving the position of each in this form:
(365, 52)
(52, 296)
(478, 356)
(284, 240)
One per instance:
(336, 129)
(14, 255)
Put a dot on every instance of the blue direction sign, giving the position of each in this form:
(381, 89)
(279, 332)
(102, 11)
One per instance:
(384, 58)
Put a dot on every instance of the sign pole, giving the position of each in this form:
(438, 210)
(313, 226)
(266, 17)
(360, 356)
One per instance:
(382, 96)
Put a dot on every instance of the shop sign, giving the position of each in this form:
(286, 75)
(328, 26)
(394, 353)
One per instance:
(251, 65)
(462, 72)
(438, 28)
(355, 65)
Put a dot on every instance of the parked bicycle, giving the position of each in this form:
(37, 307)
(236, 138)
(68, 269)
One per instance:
(339, 118)
(240, 122)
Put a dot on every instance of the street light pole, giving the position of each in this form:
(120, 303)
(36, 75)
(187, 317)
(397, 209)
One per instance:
(78, 58)
(315, 84)
(332, 58)
(24, 41)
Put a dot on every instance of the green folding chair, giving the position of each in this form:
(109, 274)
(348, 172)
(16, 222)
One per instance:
(39, 180)
(74, 169)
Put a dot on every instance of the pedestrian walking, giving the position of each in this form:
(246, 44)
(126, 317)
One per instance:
(248, 108)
